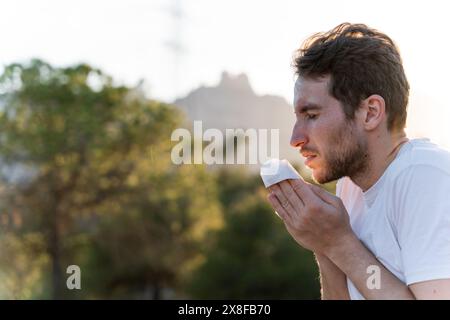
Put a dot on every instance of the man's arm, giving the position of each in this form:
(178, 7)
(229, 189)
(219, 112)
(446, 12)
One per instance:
(318, 221)
(356, 261)
(334, 285)
(432, 290)
(354, 258)
(333, 281)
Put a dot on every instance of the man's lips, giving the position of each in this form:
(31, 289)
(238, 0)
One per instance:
(309, 157)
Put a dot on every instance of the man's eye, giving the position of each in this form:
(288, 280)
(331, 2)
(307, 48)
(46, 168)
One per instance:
(310, 116)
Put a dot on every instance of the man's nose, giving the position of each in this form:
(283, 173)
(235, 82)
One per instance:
(298, 137)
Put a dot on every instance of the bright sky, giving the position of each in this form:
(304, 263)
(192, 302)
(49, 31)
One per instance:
(130, 39)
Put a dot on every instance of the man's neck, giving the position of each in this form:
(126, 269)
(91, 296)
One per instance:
(381, 153)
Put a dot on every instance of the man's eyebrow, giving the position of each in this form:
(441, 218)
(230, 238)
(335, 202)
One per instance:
(308, 107)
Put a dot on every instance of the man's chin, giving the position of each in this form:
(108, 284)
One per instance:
(320, 176)
(317, 176)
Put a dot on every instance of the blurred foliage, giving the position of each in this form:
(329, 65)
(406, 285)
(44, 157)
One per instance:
(157, 241)
(21, 271)
(95, 180)
(86, 178)
(252, 257)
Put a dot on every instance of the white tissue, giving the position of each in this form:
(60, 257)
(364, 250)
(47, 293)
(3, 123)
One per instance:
(275, 170)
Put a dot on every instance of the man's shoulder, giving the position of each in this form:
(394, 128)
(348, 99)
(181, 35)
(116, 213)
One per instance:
(421, 155)
(422, 172)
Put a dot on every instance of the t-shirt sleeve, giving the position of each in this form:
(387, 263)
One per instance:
(423, 222)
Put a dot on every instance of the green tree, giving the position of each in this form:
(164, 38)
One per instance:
(94, 161)
(156, 244)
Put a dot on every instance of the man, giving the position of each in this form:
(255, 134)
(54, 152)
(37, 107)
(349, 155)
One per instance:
(387, 233)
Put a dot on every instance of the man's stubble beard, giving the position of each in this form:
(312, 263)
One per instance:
(347, 155)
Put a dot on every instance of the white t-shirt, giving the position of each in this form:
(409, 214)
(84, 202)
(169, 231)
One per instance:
(404, 218)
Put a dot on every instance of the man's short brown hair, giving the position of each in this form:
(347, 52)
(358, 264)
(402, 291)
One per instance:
(360, 61)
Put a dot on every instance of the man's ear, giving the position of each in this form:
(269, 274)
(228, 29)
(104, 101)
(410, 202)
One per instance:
(372, 112)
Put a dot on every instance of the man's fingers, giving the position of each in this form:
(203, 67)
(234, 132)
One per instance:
(303, 190)
(283, 201)
(279, 210)
(322, 194)
(291, 195)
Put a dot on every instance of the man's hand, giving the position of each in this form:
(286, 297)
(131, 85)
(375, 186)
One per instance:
(319, 222)
(316, 219)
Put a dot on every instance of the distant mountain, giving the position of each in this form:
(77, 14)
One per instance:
(233, 104)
